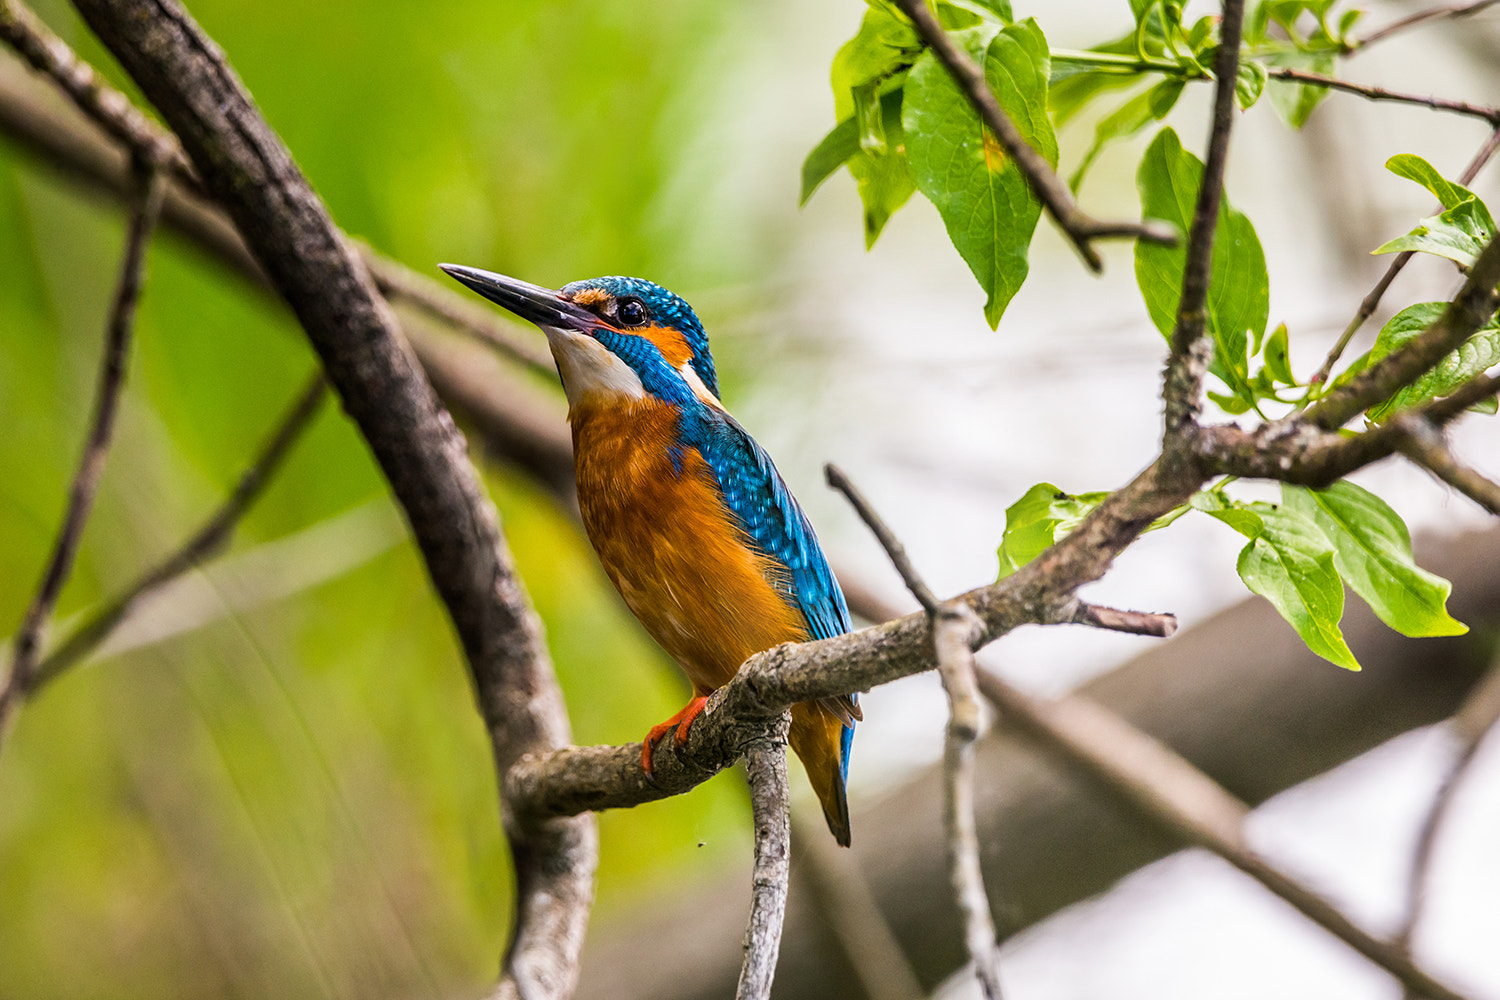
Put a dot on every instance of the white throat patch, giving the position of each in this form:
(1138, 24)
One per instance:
(590, 370)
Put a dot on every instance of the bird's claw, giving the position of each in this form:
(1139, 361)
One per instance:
(681, 722)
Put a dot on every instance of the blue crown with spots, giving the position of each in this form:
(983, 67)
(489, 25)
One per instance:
(668, 309)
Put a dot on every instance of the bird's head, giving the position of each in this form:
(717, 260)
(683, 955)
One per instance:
(612, 337)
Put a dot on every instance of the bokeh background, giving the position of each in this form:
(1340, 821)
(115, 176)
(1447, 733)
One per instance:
(276, 784)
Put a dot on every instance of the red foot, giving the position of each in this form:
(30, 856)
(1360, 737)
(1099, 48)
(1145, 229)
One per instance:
(680, 722)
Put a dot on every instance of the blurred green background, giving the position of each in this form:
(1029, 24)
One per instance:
(296, 797)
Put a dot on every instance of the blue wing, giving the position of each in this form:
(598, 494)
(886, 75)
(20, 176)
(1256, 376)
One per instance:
(754, 492)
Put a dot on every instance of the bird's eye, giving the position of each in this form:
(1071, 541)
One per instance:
(632, 312)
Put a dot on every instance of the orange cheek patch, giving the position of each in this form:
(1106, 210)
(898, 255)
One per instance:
(673, 346)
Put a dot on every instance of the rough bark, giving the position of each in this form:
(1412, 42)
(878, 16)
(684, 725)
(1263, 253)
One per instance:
(1239, 696)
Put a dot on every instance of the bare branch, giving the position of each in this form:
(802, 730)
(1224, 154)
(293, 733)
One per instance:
(1080, 228)
(770, 805)
(85, 484)
(1182, 384)
(1448, 12)
(955, 630)
(1423, 444)
(1185, 803)
(1488, 113)
(247, 168)
(92, 94)
(1162, 626)
(206, 542)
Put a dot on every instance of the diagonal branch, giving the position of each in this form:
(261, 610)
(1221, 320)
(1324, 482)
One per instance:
(118, 334)
(1182, 385)
(211, 537)
(1423, 444)
(1448, 12)
(1080, 228)
(1184, 803)
(1487, 113)
(245, 166)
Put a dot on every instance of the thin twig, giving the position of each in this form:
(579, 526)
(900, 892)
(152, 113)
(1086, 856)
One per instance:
(206, 542)
(1182, 801)
(770, 807)
(1420, 17)
(1371, 302)
(955, 632)
(85, 485)
(49, 54)
(1080, 228)
(1475, 719)
(1488, 113)
(1423, 444)
(1182, 384)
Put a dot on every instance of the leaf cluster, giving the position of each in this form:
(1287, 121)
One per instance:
(907, 127)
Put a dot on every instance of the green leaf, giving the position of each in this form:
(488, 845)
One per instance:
(1239, 290)
(1278, 357)
(1373, 553)
(1290, 562)
(839, 145)
(885, 184)
(1294, 102)
(1475, 355)
(1460, 234)
(1249, 81)
(1042, 516)
(1414, 168)
(984, 200)
(1128, 119)
(885, 45)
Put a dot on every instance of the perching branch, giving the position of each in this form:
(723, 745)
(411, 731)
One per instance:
(118, 334)
(206, 542)
(1488, 113)
(1187, 805)
(955, 630)
(1182, 383)
(1080, 228)
(245, 166)
(771, 809)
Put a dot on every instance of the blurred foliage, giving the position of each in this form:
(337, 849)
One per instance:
(297, 799)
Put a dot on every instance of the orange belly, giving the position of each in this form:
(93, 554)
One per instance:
(671, 548)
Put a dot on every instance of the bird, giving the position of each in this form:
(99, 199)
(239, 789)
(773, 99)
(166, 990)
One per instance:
(692, 522)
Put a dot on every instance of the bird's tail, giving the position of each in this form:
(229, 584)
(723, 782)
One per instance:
(822, 741)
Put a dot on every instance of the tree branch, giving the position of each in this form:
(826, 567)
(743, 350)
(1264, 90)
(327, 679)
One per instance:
(1422, 443)
(1420, 17)
(1184, 803)
(1182, 384)
(1080, 228)
(1487, 113)
(955, 630)
(248, 170)
(118, 334)
(771, 807)
(206, 542)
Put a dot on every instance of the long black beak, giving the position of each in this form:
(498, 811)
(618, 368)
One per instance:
(542, 306)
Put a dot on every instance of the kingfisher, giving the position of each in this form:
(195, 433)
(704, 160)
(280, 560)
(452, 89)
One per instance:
(692, 522)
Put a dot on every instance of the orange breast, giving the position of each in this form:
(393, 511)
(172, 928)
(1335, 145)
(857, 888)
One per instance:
(671, 548)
